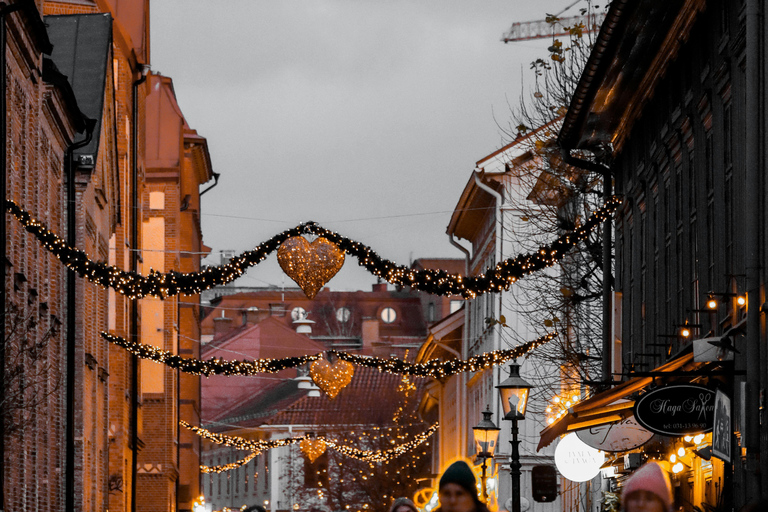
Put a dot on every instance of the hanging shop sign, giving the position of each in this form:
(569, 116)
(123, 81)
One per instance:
(576, 461)
(621, 436)
(677, 410)
(544, 483)
(722, 433)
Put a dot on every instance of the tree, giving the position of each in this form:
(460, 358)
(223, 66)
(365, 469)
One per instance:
(556, 198)
(30, 375)
(337, 482)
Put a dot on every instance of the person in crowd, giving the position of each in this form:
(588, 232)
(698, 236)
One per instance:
(457, 490)
(255, 508)
(648, 490)
(403, 505)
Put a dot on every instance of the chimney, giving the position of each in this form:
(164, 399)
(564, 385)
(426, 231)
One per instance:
(370, 334)
(254, 315)
(380, 287)
(221, 325)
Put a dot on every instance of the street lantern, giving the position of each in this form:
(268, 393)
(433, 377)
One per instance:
(514, 399)
(514, 393)
(486, 434)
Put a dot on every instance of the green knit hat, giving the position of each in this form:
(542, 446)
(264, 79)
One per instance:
(460, 473)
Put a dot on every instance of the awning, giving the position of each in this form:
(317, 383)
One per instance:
(609, 406)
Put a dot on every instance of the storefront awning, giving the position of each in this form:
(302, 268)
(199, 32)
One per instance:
(609, 406)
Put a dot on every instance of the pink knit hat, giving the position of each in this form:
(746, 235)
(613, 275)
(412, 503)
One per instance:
(652, 478)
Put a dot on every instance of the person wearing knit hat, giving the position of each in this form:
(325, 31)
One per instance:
(403, 505)
(457, 490)
(648, 490)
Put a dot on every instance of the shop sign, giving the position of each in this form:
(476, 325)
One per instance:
(544, 483)
(722, 432)
(676, 410)
(576, 461)
(621, 436)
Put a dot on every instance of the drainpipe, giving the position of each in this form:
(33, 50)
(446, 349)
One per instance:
(215, 182)
(607, 345)
(69, 172)
(134, 305)
(753, 143)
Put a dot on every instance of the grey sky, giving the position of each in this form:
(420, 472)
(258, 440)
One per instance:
(364, 116)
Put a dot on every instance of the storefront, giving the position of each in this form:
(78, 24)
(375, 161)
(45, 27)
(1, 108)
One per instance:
(677, 414)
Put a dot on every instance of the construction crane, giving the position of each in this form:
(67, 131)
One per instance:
(539, 29)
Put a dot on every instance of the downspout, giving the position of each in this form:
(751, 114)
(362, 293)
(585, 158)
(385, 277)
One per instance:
(215, 182)
(495, 375)
(607, 345)
(69, 172)
(134, 319)
(754, 146)
(464, 331)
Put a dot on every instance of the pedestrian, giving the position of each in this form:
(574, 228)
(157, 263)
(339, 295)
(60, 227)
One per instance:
(255, 508)
(457, 490)
(403, 505)
(647, 490)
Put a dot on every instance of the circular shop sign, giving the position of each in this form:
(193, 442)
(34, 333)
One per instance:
(621, 436)
(576, 461)
(677, 410)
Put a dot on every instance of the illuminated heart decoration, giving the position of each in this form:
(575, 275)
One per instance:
(312, 448)
(331, 378)
(310, 265)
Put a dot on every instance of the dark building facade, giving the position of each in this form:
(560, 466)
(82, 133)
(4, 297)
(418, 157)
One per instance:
(672, 102)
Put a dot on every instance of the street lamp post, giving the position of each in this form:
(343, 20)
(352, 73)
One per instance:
(514, 399)
(486, 434)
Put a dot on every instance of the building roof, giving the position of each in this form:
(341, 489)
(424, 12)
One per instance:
(82, 45)
(636, 43)
(371, 398)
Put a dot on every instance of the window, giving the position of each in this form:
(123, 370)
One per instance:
(343, 314)
(388, 315)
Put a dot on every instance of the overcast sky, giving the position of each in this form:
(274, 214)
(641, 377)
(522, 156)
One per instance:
(364, 116)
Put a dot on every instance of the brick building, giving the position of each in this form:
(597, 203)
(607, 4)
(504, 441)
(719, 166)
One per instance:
(176, 163)
(42, 120)
(83, 456)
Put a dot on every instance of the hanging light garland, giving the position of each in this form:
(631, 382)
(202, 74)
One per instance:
(436, 368)
(355, 453)
(226, 467)
(209, 366)
(436, 282)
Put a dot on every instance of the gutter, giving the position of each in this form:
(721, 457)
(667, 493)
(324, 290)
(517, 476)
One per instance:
(134, 306)
(607, 337)
(69, 172)
(752, 220)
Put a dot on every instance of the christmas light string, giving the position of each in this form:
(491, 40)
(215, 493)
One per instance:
(226, 467)
(436, 282)
(260, 445)
(209, 366)
(436, 368)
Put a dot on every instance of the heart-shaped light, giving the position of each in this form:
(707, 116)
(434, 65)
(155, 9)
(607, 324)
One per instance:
(310, 265)
(331, 378)
(312, 448)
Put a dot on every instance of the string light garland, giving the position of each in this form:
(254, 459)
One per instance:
(209, 366)
(356, 453)
(226, 467)
(436, 368)
(435, 282)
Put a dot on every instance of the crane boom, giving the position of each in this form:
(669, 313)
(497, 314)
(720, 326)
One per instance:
(539, 29)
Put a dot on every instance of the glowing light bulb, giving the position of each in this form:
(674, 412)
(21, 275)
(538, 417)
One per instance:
(556, 399)
(677, 467)
(741, 300)
(685, 332)
(698, 438)
(688, 438)
(673, 458)
(712, 304)
(680, 451)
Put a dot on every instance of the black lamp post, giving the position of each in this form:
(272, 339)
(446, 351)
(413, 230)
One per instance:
(514, 399)
(486, 434)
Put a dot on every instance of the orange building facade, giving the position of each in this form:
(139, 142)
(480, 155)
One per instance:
(73, 65)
